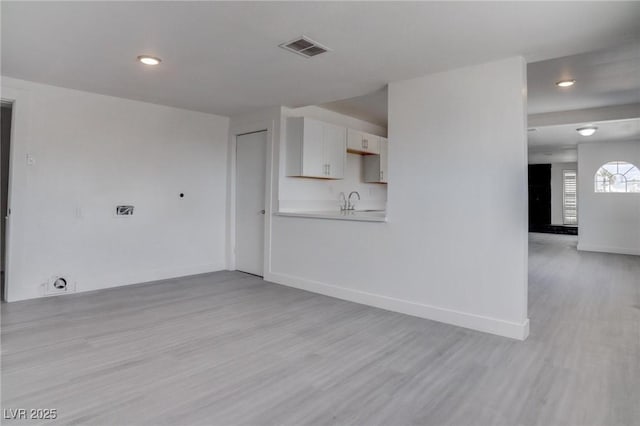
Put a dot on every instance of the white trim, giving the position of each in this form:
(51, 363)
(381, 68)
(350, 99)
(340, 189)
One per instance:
(19, 149)
(513, 330)
(140, 277)
(236, 130)
(606, 249)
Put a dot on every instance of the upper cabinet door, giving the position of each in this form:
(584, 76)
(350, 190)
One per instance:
(376, 166)
(362, 143)
(335, 150)
(384, 160)
(313, 160)
(370, 143)
(315, 149)
(354, 140)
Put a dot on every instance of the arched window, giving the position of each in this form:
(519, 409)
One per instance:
(617, 176)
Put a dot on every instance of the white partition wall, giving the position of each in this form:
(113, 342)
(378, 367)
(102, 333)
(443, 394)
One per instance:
(454, 248)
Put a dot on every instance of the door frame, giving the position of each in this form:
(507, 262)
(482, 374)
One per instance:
(239, 129)
(20, 100)
(235, 233)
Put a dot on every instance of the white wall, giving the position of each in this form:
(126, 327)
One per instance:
(319, 194)
(609, 222)
(557, 183)
(553, 156)
(455, 245)
(93, 152)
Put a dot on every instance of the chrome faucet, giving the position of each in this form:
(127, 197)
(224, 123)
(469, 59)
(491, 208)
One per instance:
(351, 206)
(343, 202)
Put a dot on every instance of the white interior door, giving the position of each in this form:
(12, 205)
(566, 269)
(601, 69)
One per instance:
(251, 152)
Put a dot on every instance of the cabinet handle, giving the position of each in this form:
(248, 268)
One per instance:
(328, 169)
(381, 175)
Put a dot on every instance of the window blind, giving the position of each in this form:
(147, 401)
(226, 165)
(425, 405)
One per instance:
(570, 197)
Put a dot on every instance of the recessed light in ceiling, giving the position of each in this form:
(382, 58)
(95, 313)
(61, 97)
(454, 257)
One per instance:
(587, 131)
(149, 60)
(565, 83)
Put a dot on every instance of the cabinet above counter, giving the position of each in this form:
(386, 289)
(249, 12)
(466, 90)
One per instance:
(316, 149)
(362, 143)
(375, 166)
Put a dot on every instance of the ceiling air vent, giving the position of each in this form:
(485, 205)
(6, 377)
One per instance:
(304, 46)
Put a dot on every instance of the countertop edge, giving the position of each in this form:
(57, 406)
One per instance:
(332, 216)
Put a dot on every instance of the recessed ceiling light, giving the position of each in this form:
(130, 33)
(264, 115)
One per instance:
(565, 83)
(587, 131)
(149, 60)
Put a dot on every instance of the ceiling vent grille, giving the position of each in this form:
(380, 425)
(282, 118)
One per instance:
(304, 46)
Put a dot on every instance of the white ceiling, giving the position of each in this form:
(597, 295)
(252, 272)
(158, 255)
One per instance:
(223, 57)
(603, 78)
(565, 155)
(558, 144)
(606, 77)
(371, 107)
(565, 136)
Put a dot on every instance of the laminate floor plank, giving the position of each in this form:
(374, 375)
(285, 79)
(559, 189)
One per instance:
(228, 348)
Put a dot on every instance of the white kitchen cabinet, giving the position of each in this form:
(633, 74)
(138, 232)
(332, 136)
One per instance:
(315, 149)
(362, 143)
(376, 166)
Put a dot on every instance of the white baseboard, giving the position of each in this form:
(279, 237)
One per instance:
(139, 277)
(513, 330)
(606, 249)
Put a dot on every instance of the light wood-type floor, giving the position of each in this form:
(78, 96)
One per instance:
(229, 349)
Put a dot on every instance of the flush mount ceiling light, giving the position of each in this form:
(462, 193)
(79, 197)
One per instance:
(587, 131)
(149, 60)
(565, 83)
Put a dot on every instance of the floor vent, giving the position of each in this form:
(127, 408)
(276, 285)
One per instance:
(59, 284)
(304, 46)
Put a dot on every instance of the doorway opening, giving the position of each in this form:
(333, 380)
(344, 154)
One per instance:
(251, 155)
(553, 198)
(5, 151)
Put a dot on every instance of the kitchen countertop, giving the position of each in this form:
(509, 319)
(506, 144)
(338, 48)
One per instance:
(357, 215)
